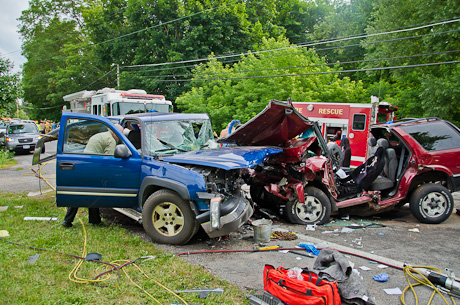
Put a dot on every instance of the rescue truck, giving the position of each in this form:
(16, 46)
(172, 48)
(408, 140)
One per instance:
(352, 120)
(111, 102)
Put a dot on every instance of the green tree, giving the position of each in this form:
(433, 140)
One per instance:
(424, 90)
(10, 89)
(344, 19)
(60, 59)
(201, 27)
(46, 55)
(244, 89)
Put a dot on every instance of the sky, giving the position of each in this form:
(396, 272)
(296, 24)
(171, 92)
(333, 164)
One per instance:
(10, 42)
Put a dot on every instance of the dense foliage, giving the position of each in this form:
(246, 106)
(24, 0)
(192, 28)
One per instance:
(242, 90)
(10, 89)
(404, 52)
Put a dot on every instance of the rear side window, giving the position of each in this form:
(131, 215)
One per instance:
(78, 132)
(434, 136)
(359, 121)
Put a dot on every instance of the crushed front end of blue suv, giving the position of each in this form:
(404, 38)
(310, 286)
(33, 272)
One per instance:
(166, 167)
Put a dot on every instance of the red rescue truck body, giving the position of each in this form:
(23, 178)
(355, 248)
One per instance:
(351, 120)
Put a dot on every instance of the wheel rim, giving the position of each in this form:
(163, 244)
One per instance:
(309, 211)
(168, 219)
(434, 204)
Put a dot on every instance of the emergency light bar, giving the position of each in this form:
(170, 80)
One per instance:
(142, 96)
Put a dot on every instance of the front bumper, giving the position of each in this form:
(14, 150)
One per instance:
(20, 146)
(230, 220)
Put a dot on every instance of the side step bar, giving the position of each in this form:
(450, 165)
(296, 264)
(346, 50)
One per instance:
(133, 214)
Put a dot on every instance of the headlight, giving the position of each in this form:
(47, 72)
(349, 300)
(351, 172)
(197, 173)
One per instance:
(214, 208)
(9, 139)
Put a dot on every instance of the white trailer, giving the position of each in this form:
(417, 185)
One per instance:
(111, 102)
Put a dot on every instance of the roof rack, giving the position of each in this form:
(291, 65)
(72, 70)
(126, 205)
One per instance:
(412, 120)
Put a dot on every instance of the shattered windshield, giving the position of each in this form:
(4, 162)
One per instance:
(178, 136)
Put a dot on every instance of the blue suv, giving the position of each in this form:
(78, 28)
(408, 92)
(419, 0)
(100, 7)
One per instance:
(166, 166)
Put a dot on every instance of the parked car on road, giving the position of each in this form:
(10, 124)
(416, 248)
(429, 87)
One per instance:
(421, 166)
(169, 171)
(20, 136)
(2, 133)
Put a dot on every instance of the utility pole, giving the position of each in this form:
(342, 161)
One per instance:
(118, 76)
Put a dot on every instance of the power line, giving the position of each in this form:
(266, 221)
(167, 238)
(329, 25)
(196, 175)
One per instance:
(83, 88)
(298, 67)
(317, 65)
(300, 52)
(296, 46)
(314, 73)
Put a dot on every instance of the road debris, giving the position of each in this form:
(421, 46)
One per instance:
(382, 277)
(284, 235)
(33, 258)
(393, 291)
(202, 293)
(41, 218)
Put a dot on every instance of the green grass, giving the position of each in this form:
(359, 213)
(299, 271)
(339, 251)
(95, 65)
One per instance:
(6, 158)
(47, 282)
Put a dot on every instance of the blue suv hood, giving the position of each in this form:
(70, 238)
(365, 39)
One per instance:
(226, 158)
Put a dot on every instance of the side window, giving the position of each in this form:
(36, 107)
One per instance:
(88, 137)
(359, 122)
(106, 110)
(434, 136)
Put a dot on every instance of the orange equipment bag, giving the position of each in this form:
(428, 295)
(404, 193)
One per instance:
(313, 290)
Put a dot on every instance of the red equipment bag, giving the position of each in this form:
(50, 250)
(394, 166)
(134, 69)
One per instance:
(313, 290)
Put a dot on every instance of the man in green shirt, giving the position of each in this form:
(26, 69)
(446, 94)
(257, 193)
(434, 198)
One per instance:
(101, 143)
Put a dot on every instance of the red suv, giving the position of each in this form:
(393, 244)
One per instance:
(419, 163)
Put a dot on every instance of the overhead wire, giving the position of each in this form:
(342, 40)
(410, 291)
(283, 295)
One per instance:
(307, 66)
(443, 22)
(315, 73)
(300, 52)
(295, 46)
(285, 54)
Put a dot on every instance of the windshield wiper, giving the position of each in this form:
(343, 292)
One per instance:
(171, 146)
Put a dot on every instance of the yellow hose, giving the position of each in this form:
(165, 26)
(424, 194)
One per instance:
(420, 279)
(74, 277)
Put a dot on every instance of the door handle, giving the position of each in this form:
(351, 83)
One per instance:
(66, 166)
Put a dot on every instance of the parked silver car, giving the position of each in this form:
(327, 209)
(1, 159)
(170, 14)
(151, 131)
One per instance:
(21, 136)
(2, 133)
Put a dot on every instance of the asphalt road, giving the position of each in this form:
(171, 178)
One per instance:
(401, 239)
(22, 178)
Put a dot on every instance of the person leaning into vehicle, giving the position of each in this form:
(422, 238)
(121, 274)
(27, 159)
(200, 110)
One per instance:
(103, 142)
(100, 143)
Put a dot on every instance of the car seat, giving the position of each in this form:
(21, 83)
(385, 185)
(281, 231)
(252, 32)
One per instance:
(372, 142)
(387, 178)
(336, 152)
(134, 137)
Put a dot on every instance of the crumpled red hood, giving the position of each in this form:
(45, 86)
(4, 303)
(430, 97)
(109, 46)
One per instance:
(275, 125)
